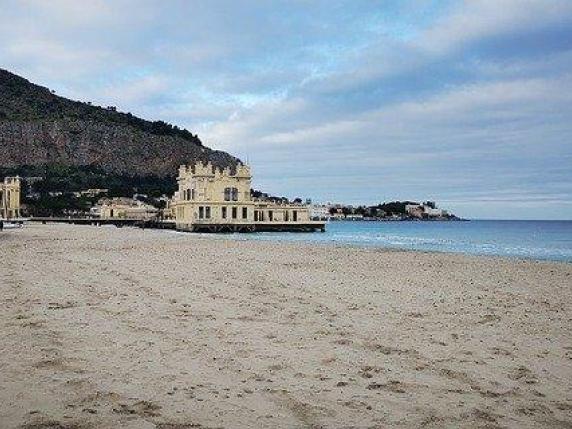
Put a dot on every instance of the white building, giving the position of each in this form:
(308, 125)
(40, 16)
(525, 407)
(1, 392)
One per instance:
(424, 210)
(319, 211)
(434, 212)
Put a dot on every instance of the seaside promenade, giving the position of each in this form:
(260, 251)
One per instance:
(107, 328)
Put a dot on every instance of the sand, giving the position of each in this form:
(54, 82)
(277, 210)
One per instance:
(107, 328)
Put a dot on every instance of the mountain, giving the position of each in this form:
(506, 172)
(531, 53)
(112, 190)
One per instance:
(39, 128)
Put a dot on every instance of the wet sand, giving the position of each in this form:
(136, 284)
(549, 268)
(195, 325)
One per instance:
(107, 328)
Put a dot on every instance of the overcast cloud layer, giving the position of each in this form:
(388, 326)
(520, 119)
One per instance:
(467, 103)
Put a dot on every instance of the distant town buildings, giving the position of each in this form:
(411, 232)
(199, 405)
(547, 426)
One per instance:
(10, 198)
(208, 198)
(395, 210)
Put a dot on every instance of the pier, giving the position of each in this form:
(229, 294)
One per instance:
(157, 224)
(309, 226)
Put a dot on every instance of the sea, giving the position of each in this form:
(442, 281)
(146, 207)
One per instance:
(528, 239)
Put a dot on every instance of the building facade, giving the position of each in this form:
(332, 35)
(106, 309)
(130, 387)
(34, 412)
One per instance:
(435, 212)
(10, 198)
(425, 210)
(213, 199)
(125, 208)
(320, 211)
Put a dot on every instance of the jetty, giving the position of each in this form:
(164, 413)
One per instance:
(118, 222)
(310, 226)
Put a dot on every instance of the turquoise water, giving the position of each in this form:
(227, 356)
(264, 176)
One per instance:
(549, 240)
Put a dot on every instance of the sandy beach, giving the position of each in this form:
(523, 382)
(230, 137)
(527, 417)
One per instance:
(128, 328)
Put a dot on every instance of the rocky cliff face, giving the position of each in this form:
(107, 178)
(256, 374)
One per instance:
(38, 127)
(115, 148)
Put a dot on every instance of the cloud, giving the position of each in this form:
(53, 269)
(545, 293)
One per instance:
(477, 20)
(137, 91)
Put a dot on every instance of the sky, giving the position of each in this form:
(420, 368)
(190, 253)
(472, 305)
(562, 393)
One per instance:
(468, 103)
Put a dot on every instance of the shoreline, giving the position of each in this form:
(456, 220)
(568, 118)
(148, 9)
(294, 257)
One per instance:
(328, 244)
(286, 237)
(107, 328)
(236, 237)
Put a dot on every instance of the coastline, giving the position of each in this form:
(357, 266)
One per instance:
(347, 242)
(369, 248)
(109, 327)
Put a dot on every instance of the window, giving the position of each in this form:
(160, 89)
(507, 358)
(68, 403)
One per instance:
(245, 212)
(255, 215)
(201, 212)
(223, 212)
(286, 217)
(230, 194)
(208, 212)
(192, 194)
(234, 213)
(295, 216)
(270, 215)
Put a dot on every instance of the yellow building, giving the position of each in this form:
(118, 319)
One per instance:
(10, 198)
(214, 199)
(126, 208)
